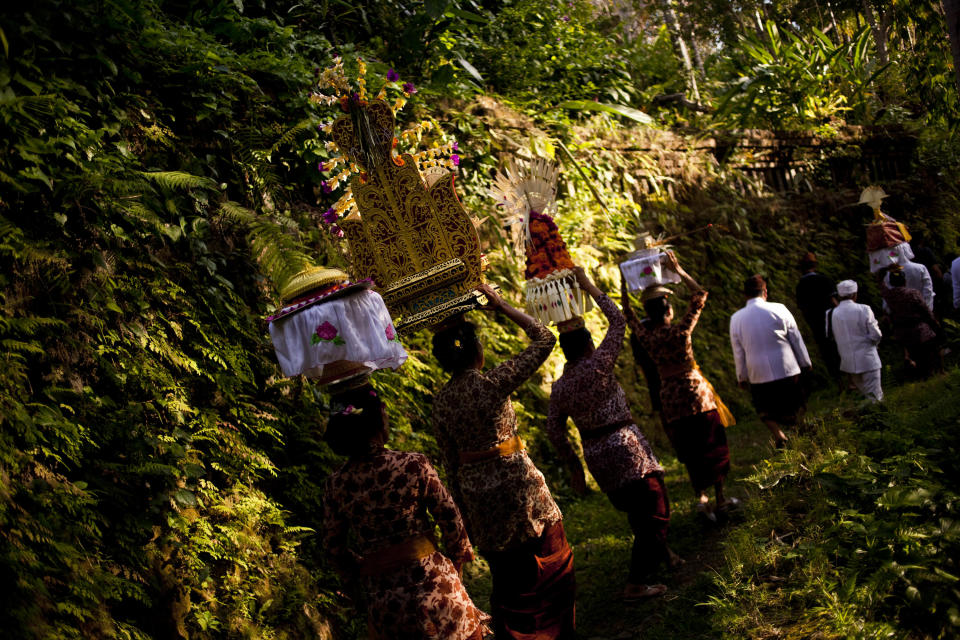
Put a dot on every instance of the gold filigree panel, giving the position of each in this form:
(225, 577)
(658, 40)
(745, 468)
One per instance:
(405, 229)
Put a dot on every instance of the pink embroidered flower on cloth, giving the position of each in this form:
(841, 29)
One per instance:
(390, 332)
(326, 332)
(647, 270)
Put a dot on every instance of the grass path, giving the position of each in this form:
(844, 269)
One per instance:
(602, 539)
(769, 605)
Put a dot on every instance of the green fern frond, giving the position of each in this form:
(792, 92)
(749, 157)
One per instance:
(280, 255)
(138, 212)
(236, 212)
(179, 180)
(291, 134)
(275, 244)
(29, 325)
(17, 346)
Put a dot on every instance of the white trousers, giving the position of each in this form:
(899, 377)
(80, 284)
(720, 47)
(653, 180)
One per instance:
(869, 384)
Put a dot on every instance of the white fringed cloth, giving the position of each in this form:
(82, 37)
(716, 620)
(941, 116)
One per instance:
(556, 298)
(897, 254)
(338, 338)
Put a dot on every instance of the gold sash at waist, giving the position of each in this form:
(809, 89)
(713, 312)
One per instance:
(505, 448)
(726, 416)
(396, 556)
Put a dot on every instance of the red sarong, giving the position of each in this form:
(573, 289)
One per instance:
(648, 512)
(534, 589)
(700, 442)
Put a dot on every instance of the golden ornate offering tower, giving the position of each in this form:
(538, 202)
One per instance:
(406, 228)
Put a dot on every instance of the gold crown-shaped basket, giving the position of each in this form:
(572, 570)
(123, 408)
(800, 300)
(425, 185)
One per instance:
(410, 234)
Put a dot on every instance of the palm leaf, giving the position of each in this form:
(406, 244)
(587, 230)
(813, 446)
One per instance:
(617, 109)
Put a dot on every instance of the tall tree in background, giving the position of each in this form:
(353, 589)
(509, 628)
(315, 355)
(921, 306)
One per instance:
(951, 10)
(690, 29)
(676, 35)
(879, 20)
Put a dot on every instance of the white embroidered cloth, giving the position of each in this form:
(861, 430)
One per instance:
(897, 254)
(643, 269)
(348, 334)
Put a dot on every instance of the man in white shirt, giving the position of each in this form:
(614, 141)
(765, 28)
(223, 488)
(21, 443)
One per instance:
(918, 279)
(769, 354)
(857, 334)
(955, 277)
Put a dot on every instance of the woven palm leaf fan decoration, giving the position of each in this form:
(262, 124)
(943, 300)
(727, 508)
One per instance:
(526, 192)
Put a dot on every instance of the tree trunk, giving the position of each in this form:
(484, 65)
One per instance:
(951, 9)
(673, 27)
(879, 29)
(694, 48)
(836, 27)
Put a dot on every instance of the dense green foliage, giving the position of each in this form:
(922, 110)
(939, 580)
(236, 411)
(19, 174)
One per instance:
(858, 532)
(142, 417)
(158, 478)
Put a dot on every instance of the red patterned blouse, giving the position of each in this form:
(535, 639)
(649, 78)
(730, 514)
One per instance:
(505, 500)
(589, 393)
(684, 391)
(383, 500)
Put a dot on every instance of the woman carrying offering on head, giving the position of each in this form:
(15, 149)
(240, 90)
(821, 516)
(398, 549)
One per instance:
(381, 499)
(914, 325)
(690, 407)
(616, 451)
(507, 506)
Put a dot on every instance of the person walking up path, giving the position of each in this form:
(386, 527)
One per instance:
(691, 409)
(508, 509)
(769, 355)
(857, 334)
(383, 501)
(616, 451)
(917, 277)
(914, 325)
(815, 293)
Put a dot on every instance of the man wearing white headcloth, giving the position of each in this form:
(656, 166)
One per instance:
(857, 334)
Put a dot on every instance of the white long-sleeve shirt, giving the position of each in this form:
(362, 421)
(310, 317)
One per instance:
(857, 334)
(766, 342)
(955, 276)
(918, 279)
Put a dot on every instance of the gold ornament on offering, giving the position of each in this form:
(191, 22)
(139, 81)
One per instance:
(888, 241)
(404, 223)
(527, 195)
